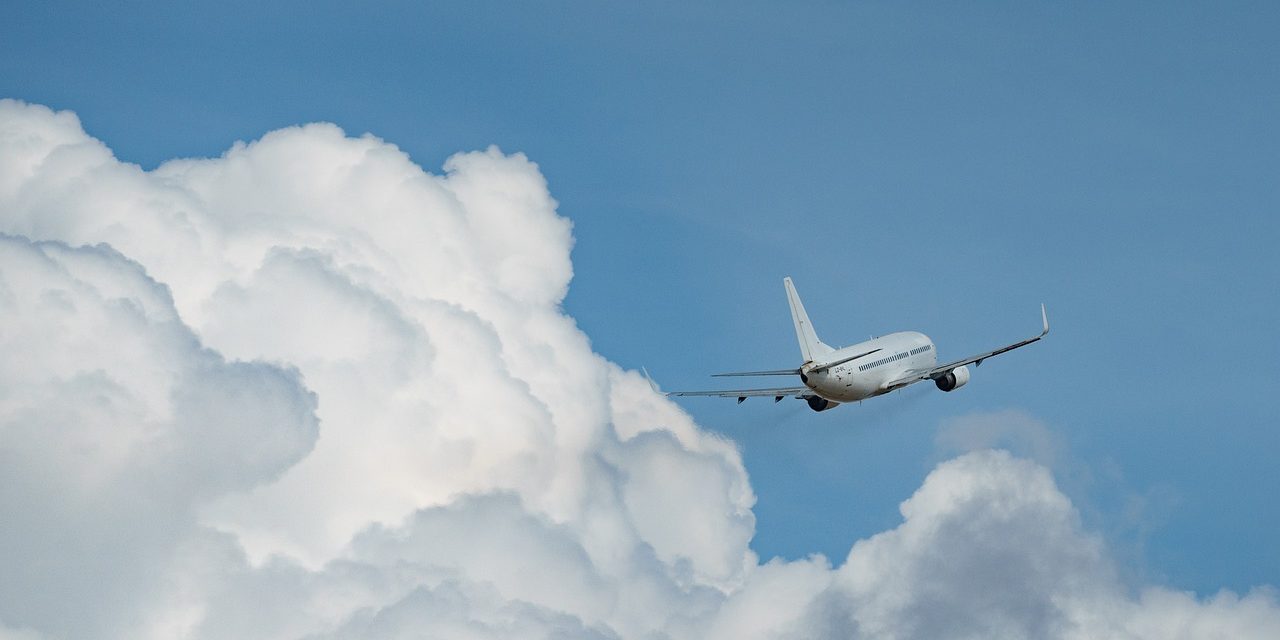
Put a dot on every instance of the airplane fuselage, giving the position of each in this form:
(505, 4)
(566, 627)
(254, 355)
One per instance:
(892, 356)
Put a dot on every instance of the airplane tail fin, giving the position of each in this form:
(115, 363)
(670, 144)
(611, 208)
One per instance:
(810, 346)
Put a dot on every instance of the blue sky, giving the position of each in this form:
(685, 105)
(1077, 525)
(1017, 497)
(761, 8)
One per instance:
(937, 168)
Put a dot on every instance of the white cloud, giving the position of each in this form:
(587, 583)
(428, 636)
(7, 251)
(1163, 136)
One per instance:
(115, 426)
(308, 389)
(988, 548)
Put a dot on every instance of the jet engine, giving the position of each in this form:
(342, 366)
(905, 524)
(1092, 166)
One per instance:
(954, 379)
(818, 403)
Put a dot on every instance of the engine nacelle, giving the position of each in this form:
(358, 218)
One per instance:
(818, 403)
(954, 379)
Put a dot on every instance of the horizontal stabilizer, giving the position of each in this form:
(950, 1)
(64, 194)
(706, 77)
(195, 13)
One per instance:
(775, 372)
(827, 365)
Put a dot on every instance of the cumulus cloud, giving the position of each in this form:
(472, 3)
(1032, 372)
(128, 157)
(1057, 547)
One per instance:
(307, 389)
(116, 425)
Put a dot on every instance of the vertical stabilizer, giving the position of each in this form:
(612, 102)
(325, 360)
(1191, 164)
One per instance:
(810, 346)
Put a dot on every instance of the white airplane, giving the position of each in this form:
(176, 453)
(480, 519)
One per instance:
(864, 370)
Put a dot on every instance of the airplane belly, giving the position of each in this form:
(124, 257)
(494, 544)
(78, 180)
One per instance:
(843, 388)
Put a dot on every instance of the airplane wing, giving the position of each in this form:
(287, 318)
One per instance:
(916, 375)
(743, 394)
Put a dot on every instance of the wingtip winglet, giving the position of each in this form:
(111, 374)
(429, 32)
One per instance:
(1044, 316)
(652, 385)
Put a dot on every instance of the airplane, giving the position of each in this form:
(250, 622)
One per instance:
(865, 370)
